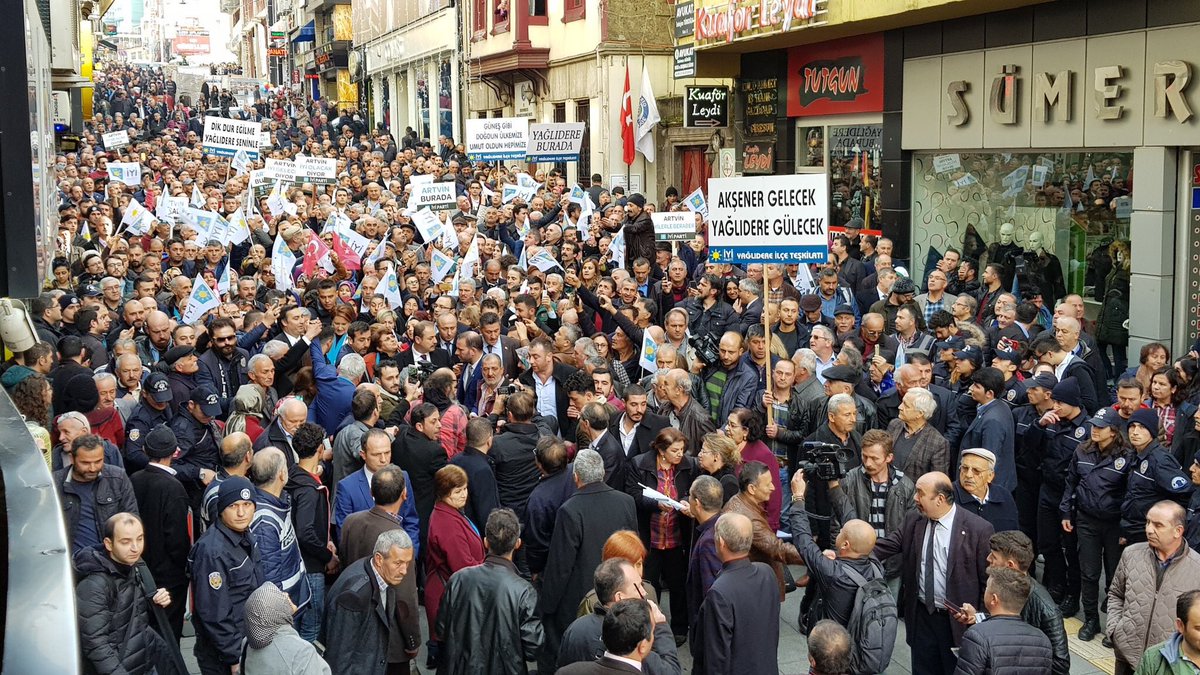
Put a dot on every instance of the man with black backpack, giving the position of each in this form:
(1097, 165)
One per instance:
(851, 588)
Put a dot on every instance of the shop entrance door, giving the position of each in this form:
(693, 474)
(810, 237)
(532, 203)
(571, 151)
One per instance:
(695, 169)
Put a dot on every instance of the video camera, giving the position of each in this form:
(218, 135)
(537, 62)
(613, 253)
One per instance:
(420, 371)
(705, 347)
(826, 461)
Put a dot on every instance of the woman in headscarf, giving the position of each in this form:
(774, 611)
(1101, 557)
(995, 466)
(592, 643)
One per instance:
(273, 647)
(249, 412)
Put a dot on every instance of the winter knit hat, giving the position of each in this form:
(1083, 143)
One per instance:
(81, 394)
(267, 610)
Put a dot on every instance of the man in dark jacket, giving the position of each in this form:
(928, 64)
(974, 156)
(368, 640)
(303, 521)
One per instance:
(1156, 476)
(730, 383)
(153, 409)
(161, 497)
(224, 569)
(417, 451)
(617, 580)
(746, 590)
(555, 487)
(114, 615)
(223, 366)
(199, 439)
(639, 231)
(992, 427)
(310, 520)
(636, 427)
(512, 455)
(482, 496)
(707, 312)
(1004, 642)
(975, 491)
(488, 620)
(1014, 550)
(358, 619)
(91, 492)
(549, 377)
(583, 525)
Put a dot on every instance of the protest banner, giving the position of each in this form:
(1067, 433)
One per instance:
(559, 142)
(315, 170)
(224, 137)
(497, 138)
(435, 196)
(769, 219)
(674, 226)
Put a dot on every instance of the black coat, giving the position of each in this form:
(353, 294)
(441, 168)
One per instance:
(112, 492)
(421, 458)
(566, 425)
(488, 620)
(514, 466)
(1004, 644)
(615, 462)
(583, 525)
(737, 632)
(357, 625)
(114, 617)
(163, 503)
(437, 357)
(541, 513)
(643, 470)
(992, 428)
(645, 433)
(482, 495)
(582, 643)
(310, 517)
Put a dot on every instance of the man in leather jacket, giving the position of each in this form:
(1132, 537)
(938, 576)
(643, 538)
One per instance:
(1014, 550)
(488, 620)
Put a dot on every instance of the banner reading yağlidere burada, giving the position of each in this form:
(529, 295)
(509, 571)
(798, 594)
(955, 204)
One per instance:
(769, 219)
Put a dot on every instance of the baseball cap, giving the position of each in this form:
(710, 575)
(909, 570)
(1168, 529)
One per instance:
(954, 342)
(157, 386)
(970, 352)
(233, 490)
(1105, 418)
(810, 303)
(89, 291)
(205, 397)
(1042, 380)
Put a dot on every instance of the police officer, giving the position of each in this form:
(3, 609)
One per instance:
(1028, 446)
(1156, 476)
(1065, 427)
(154, 409)
(224, 569)
(1007, 358)
(199, 444)
(1091, 508)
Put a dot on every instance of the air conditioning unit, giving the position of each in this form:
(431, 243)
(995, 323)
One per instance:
(64, 36)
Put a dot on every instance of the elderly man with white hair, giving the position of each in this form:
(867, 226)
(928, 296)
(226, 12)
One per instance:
(919, 448)
(335, 387)
(975, 492)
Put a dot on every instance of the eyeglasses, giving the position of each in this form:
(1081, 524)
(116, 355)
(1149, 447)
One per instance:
(229, 338)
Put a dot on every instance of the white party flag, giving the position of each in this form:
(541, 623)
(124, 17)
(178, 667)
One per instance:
(202, 300)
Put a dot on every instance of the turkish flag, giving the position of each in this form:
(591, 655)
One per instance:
(627, 152)
(315, 253)
(349, 258)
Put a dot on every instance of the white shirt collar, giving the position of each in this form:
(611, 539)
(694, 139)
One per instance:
(947, 519)
(622, 659)
(163, 467)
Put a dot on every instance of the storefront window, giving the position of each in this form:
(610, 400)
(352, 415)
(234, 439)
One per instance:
(850, 151)
(1055, 220)
(445, 101)
(423, 102)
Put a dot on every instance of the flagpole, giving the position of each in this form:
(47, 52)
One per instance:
(627, 166)
(767, 333)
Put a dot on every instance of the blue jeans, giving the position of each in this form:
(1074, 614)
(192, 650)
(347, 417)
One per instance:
(785, 481)
(308, 620)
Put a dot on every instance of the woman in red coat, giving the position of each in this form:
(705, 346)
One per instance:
(454, 543)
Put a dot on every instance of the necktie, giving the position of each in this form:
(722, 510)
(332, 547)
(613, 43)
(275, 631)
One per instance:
(932, 531)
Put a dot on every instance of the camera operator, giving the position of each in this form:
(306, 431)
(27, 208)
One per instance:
(837, 430)
(832, 577)
(493, 388)
(876, 492)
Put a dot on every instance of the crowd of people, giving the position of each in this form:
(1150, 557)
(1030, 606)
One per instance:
(577, 447)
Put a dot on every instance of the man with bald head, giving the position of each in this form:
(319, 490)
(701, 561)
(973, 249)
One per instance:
(746, 591)
(237, 452)
(931, 537)
(291, 415)
(731, 382)
(154, 344)
(836, 579)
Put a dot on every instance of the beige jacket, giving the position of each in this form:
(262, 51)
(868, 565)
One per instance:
(1141, 599)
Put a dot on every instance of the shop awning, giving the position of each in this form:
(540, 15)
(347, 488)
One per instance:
(308, 33)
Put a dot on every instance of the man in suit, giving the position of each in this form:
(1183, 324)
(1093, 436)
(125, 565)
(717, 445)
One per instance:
(482, 497)
(737, 631)
(593, 429)
(547, 379)
(944, 563)
(500, 345)
(353, 493)
(636, 428)
(417, 451)
(628, 635)
(424, 348)
(278, 434)
(393, 510)
(584, 524)
(361, 622)
(469, 351)
(992, 427)
(161, 497)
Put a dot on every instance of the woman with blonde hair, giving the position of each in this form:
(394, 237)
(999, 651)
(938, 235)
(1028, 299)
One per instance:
(719, 457)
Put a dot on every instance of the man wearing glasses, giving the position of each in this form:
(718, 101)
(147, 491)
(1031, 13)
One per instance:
(224, 366)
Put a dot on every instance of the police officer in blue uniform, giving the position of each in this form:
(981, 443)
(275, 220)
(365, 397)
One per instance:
(1091, 508)
(1028, 446)
(199, 444)
(1065, 428)
(154, 409)
(224, 568)
(1156, 476)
